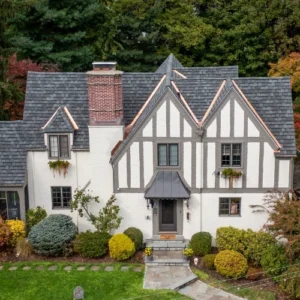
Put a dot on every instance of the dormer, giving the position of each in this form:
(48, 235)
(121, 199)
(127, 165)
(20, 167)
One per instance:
(59, 134)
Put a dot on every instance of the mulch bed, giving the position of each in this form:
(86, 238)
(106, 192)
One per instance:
(10, 256)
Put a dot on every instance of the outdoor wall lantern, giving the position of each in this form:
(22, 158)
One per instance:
(147, 203)
(186, 202)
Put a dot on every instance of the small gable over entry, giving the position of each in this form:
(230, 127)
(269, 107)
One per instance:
(167, 185)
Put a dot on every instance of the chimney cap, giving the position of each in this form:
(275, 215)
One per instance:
(104, 66)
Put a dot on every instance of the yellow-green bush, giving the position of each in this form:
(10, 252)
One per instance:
(121, 247)
(17, 230)
(230, 263)
(208, 261)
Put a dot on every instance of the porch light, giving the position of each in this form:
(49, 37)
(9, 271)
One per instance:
(147, 203)
(186, 202)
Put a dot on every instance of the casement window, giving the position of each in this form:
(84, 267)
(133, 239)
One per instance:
(9, 205)
(231, 155)
(59, 146)
(230, 206)
(61, 196)
(167, 154)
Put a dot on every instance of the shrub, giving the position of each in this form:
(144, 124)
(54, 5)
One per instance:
(258, 242)
(53, 236)
(92, 244)
(230, 263)
(136, 236)
(290, 282)
(253, 273)
(208, 261)
(274, 260)
(121, 247)
(201, 243)
(17, 230)
(34, 216)
(23, 248)
(230, 238)
(4, 233)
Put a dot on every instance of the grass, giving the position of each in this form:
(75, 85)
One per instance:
(248, 293)
(59, 284)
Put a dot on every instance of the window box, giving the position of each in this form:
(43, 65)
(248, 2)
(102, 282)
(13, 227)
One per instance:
(59, 166)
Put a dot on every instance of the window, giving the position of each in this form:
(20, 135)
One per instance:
(230, 207)
(59, 146)
(9, 205)
(167, 154)
(231, 155)
(61, 196)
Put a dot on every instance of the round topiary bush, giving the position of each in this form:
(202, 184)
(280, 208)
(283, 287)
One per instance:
(274, 260)
(201, 243)
(136, 236)
(208, 261)
(53, 236)
(121, 247)
(92, 244)
(230, 263)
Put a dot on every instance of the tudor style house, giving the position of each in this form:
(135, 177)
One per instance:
(162, 142)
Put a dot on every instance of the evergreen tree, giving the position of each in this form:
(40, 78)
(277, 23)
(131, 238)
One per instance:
(60, 32)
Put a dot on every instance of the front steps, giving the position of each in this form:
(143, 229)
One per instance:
(167, 252)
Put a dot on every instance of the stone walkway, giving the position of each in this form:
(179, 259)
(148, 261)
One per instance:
(166, 277)
(73, 268)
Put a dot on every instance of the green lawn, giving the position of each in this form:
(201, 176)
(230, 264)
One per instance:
(248, 293)
(58, 285)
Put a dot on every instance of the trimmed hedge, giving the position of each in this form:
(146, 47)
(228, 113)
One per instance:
(208, 261)
(92, 244)
(201, 243)
(230, 263)
(53, 236)
(121, 247)
(136, 236)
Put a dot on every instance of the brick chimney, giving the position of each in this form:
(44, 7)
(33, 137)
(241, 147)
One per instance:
(105, 94)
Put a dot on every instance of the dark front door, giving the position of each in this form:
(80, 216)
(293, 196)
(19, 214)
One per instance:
(167, 220)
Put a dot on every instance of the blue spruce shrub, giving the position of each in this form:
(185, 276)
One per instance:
(53, 236)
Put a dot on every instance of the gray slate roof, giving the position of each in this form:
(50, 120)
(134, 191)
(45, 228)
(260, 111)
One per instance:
(167, 185)
(46, 92)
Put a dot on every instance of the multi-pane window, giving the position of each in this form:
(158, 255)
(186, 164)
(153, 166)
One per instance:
(61, 196)
(231, 155)
(167, 154)
(59, 146)
(9, 205)
(230, 206)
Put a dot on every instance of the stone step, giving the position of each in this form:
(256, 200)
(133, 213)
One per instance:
(184, 282)
(167, 258)
(167, 262)
(165, 245)
(155, 238)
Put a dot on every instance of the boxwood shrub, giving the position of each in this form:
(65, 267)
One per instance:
(136, 236)
(230, 263)
(53, 236)
(201, 243)
(208, 261)
(92, 244)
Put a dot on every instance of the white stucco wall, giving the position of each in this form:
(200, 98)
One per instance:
(284, 173)
(211, 164)
(135, 165)
(174, 121)
(212, 129)
(148, 161)
(123, 171)
(268, 166)
(148, 130)
(161, 121)
(252, 130)
(192, 225)
(187, 170)
(238, 120)
(84, 166)
(252, 165)
(133, 209)
(225, 120)
(199, 165)
(187, 129)
(248, 219)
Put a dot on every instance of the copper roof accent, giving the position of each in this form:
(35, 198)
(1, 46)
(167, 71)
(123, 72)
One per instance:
(71, 118)
(116, 147)
(178, 73)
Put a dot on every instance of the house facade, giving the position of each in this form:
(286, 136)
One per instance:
(160, 141)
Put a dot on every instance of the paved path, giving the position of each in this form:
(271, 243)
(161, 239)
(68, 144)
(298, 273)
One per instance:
(163, 277)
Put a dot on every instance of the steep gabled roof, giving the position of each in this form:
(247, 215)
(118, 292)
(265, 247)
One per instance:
(60, 121)
(172, 61)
